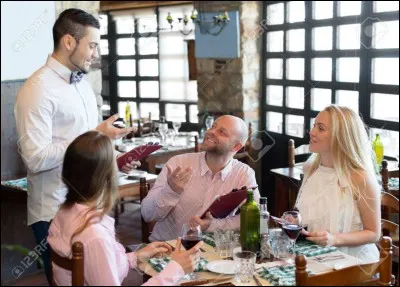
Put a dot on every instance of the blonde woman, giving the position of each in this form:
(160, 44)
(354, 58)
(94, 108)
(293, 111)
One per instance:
(89, 174)
(340, 196)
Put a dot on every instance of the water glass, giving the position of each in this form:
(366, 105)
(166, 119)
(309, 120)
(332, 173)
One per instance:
(280, 244)
(223, 240)
(244, 262)
(163, 129)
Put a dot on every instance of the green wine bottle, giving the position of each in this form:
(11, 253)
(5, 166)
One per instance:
(250, 224)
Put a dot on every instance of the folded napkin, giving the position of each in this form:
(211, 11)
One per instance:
(159, 264)
(308, 249)
(280, 275)
(208, 237)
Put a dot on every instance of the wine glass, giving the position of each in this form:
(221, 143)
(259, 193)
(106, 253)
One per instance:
(176, 126)
(163, 129)
(191, 235)
(209, 122)
(292, 226)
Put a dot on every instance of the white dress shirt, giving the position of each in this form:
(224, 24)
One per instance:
(50, 113)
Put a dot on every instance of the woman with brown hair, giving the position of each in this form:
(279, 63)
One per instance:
(89, 174)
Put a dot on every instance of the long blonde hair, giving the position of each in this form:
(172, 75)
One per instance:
(90, 175)
(350, 148)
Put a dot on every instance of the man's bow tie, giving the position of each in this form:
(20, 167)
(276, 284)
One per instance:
(76, 77)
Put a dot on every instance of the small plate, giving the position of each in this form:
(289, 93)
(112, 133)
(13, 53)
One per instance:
(222, 267)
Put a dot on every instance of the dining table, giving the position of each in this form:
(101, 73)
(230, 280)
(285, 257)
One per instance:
(208, 278)
(183, 142)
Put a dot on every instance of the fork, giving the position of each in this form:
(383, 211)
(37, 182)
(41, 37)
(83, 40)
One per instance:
(328, 258)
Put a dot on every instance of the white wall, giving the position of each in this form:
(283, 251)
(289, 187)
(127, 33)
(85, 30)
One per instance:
(26, 37)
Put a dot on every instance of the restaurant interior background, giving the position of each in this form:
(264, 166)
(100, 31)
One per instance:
(275, 64)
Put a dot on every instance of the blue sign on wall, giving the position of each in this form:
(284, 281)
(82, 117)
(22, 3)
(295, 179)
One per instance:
(225, 45)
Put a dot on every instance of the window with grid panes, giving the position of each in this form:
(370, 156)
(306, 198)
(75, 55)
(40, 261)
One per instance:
(137, 66)
(321, 52)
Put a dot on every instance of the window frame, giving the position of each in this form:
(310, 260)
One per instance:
(365, 87)
(113, 98)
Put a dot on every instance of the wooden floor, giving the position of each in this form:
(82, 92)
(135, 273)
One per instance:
(128, 233)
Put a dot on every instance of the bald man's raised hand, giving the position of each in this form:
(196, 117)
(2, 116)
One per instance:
(179, 178)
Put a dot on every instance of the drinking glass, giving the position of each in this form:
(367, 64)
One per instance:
(176, 126)
(191, 235)
(223, 240)
(209, 122)
(292, 226)
(163, 129)
(244, 262)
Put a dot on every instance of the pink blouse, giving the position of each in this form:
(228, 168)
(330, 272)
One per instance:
(105, 260)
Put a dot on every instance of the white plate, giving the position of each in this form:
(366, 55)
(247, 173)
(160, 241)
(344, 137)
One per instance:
(222, 267)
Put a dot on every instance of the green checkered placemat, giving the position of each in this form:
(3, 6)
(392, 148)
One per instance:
(208, 237)
(280, 275)
(308, 249)
(159, 264)
(21, 184)
(393, 183)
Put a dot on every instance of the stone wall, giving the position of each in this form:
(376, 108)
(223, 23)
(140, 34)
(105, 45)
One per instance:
(232, 86)
(94, 76)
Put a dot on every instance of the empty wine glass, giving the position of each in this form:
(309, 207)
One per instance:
(163, 129)
(292, 226)
(176, 126)
(209, 122)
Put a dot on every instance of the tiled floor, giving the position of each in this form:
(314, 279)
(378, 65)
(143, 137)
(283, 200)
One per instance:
(128, 233)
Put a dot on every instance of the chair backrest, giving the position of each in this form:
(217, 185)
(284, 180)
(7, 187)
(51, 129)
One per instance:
(355, 275)
(386, 174)
(243, 154)
(147, 228)
(75, 265)
(389, 203)
(196, 144)
(144, 127)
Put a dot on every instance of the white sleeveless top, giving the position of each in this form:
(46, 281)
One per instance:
(325, 204)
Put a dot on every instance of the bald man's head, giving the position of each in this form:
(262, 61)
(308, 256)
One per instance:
(237, 127)
(228, 134)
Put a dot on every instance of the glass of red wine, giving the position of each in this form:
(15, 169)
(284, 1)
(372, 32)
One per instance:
(191, 235)
(292, 226)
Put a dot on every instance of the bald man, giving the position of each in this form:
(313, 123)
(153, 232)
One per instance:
(189, 183)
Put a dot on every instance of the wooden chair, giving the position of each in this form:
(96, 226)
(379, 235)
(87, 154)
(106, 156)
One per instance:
(386, 175)
(355, 275)
(243, 154)
(75, 265)
(147, 228)
(390, 203)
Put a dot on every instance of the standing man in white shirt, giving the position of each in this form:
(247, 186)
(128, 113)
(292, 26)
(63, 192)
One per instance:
(54, 106)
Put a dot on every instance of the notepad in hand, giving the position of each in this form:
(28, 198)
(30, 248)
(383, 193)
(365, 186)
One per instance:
(226, 204)
(138, 153)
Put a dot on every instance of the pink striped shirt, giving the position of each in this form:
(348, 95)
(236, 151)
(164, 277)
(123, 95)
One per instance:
(171, 210)
(106, 262)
